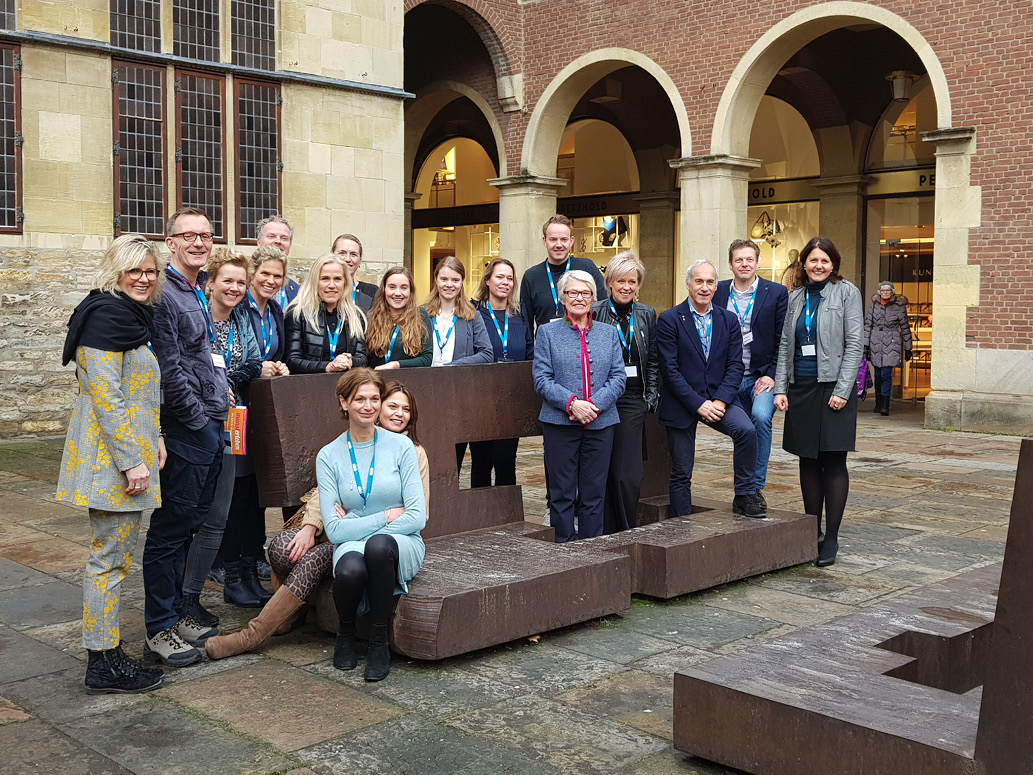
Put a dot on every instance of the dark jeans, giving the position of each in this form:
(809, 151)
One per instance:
(625, 476)
(682, 443)
(883, 381)
(187, 488)
(498, 455)
(576, 460)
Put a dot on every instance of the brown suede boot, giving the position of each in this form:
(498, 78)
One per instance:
(283, 605)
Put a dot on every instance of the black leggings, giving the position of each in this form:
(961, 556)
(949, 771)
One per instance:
(825, 484)
(374, 573)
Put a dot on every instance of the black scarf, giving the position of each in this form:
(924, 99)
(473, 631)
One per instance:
(114, 323)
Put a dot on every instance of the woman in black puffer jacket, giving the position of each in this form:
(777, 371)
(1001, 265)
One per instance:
(325, 331)
(887, 338)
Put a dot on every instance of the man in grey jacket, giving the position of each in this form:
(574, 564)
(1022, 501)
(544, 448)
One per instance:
(194, 404)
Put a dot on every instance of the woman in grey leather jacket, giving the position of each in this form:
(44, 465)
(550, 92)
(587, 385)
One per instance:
(636, 328)
(815, 384)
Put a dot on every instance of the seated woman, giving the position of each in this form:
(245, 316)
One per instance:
(325, 330)
(460, 337)
(398, 334)
(579, 373)
(301, 554)
(369, 480)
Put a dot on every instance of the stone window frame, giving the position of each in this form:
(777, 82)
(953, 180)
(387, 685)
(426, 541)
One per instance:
(127, 155)
(245, 150)
(12, 215)
(140, 31)
(199, 182)
(253, 33)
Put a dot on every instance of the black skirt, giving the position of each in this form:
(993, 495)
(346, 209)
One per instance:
(812, 426)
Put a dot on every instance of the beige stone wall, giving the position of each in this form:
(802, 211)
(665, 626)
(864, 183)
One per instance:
(355, 40)
(79, 19)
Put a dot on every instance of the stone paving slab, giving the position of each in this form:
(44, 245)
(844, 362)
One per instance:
(35, 747)
(41, 604)
(22, 657)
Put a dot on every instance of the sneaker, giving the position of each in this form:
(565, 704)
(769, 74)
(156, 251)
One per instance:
(749, 506)
(166, 646)
(763, 501)
(265, 572)
(193, 632)
(218, 574)
(112, 672)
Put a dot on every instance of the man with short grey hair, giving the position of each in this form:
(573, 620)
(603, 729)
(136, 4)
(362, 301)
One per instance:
(700, 348)
(276, 231)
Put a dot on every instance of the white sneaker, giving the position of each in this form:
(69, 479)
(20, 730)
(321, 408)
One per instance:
(193, 632)
(166, 646)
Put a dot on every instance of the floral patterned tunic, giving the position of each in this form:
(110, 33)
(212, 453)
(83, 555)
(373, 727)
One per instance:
(114, 427)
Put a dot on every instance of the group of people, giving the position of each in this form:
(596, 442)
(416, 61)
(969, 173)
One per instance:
(164, 351)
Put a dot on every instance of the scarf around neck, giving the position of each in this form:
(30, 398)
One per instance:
(111, 322)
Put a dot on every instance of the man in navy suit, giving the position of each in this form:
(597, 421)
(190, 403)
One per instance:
(700, 348)
(760, 307)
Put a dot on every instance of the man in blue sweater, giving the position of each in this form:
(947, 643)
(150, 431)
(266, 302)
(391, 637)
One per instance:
(539, 300)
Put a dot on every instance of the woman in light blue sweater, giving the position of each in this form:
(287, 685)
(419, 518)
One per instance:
(371, 498)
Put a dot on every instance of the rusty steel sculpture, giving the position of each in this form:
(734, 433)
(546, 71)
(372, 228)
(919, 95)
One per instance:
(938, 681)
(489, 576)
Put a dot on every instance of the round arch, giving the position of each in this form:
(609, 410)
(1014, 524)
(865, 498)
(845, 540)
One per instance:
(428, 103)
(755, 71)
(552, 111)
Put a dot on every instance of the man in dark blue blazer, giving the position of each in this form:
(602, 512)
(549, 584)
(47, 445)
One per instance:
(760, 307)
(700, 349)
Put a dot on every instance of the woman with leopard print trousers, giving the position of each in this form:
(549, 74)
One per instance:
(301, 555)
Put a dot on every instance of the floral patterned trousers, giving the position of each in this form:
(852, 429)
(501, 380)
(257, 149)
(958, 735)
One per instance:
(111, 554)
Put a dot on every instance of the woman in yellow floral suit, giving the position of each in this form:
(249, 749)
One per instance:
(113, 449)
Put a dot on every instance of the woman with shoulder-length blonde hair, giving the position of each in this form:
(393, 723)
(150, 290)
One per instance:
(459, 334)
(398, 334)
(114, 449)
(321, 313)
(498, 302)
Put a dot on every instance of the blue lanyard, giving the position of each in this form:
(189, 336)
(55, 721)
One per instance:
(625, 343)
(201, 300)
(552, 285)
(364, 492)
(705, 338)
(808, 316)
(282, 295)
(334, 336)
(744, 319)
(267, 335)
(228, 352)
(448, 334)
(503, 334)
(391, 346)
(355, 292)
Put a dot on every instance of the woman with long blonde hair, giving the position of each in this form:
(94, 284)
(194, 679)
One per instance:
(398, 334)
(320, 315)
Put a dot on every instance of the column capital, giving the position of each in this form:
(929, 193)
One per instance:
(528, 183)
(842, 184)
(720, 162)
(654, 199)
(950, 141)
(411, 196)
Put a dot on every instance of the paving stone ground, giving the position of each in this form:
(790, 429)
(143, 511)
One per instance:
(595, 698)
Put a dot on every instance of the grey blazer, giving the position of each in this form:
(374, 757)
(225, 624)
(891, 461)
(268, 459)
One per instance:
(472, 343)
(840, 330)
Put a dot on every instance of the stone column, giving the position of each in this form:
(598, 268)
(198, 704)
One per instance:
(840, 218)
(656, 248)
(525, 203)
(713, 209)
(410, 202)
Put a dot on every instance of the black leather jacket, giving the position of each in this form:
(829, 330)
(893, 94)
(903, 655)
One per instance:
(308, 351)
(645, 336)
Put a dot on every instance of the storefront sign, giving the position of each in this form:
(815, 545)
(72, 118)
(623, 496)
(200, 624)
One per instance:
(781, 191)
(592, 206)
(902, 182)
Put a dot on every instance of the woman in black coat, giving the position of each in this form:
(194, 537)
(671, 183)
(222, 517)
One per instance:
(326, 332)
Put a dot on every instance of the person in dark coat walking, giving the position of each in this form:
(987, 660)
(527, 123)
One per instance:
(887, 339)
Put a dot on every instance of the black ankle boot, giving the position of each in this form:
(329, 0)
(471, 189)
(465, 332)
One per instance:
(192, 607)
(236, 591)
(878, 404)
(827, 552)
(249, 575)
(112, 672)
(345, 657)
(886, 406)
(378, 658)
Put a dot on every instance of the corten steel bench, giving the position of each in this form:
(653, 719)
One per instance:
(489, 576)
(938, 681)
